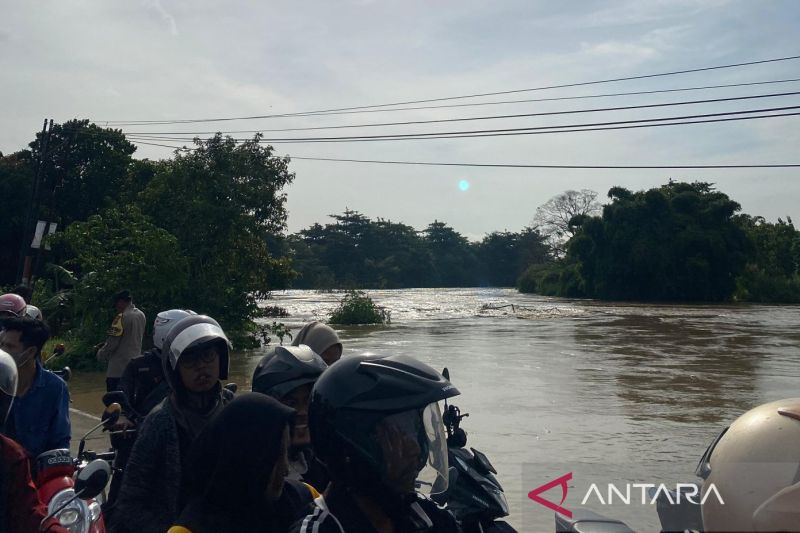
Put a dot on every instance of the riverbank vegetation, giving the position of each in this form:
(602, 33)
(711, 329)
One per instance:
(357, 308)
(191, 231)
(677, 242)
(205, 230)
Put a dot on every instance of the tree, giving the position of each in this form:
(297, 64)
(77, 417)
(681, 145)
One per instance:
(16, 178)
(83, 168)
(223, 201)
(772, 273)
(115, 249)
(554, 218)
(676, 242)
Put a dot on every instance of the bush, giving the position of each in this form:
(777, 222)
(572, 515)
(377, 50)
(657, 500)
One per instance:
(358, 308)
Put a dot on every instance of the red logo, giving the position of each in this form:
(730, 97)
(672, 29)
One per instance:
(562, 481)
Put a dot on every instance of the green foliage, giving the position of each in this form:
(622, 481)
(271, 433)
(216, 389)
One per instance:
(355, 251)
(677, 242)
(222, 202)
(16, 178)
(278, 329)
(115, 249)
(358, 308)
(772, 273)
(84, 168)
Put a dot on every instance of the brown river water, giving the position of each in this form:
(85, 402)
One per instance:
(635, 391)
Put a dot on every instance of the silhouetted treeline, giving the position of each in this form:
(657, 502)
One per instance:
(355, 251)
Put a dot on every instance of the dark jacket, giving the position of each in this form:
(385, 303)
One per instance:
(337, 512)
(20, 508)
(151, 495)
(230, 467)
(144, 384)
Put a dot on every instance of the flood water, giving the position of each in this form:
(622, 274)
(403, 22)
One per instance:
(638, 390)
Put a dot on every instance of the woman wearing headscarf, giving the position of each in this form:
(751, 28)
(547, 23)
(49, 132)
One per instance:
(237, 469)
(322, 339)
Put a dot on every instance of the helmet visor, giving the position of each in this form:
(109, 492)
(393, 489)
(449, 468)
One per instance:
(414, 449)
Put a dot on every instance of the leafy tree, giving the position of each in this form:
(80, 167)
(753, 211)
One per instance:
(675, 242)
(16, 178)
(554, 218)
(358, 308)
(223, 202)
(772, 271)
(454, 262)
(117, 248)
(84, 167)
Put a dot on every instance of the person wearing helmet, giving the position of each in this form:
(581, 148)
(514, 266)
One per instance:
(33, 312)
(143, 380)
(752, 467)
(322, 339)
(287, 373)
(39, 419)
(238, 468)
(12, 305)
(195, 357)
(21, 510)
(124, 340)
(375, 423)
(144, 387)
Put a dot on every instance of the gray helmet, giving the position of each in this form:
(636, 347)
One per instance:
(8, 385)
(192, 332)
(753, 466)
(284, 368)
(164, 322)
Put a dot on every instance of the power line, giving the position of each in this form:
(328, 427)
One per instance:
(490, 117)
(503, 102)
(461, 97)
(568, 128)
(520, 165)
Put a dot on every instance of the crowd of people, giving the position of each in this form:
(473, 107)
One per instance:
(320, 443)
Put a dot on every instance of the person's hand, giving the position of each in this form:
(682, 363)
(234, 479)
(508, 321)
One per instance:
(123, 424)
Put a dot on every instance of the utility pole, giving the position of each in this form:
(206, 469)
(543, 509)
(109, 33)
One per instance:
(31, 218)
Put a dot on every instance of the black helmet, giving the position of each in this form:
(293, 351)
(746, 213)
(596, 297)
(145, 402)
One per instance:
(192, 332)
(8, 385)
(284, 368)
(363, 400)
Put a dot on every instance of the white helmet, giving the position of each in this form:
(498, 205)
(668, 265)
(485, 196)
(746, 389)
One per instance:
(754, 467)
(33, 312)
(164, 322)
(8, 384)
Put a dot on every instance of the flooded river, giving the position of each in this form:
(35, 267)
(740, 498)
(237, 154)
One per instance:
(636, 391)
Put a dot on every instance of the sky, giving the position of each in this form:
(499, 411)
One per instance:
(180, 59)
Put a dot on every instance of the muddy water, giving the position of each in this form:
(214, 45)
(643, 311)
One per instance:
(639, 389)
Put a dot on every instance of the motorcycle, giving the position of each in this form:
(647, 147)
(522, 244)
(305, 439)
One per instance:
(89, 483)
(76, 504)
(474, 495)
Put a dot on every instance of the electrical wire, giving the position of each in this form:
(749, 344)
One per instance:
(515, 165)
(461, 97)
(490, 117)
(568, 128)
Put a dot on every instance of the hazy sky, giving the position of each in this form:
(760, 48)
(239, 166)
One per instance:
(153, 60)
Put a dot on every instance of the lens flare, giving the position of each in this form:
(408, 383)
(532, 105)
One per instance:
(463, 185)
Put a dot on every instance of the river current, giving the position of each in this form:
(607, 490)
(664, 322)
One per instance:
(632, 391)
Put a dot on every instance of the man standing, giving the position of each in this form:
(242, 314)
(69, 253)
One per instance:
(39, 418)
(124, 339)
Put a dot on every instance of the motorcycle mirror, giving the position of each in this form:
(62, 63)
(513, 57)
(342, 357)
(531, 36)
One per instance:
(90, 482)
(111, 414)
(92, 479)
(115, 396)
(446, 374)
(233, 387)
